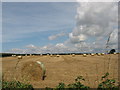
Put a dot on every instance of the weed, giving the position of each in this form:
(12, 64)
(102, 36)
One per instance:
(16, 84)
(60, 86)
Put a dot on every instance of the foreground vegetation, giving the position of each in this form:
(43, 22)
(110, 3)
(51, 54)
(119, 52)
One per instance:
(16, 84)
(106, 83)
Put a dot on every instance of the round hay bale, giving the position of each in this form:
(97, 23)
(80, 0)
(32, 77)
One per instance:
(57, 55)
(51, 55)
(114, 53)
(99, 54)
(102, 53)
(19, 57)
(40, 54)
(73, 55)
(13, 55)
(92, 54)
(84, 55)
(33, 70)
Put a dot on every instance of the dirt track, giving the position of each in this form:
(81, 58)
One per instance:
(63, 69)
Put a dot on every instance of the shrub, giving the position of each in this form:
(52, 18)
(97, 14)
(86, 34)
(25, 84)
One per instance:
(77, 83)
(107, 83)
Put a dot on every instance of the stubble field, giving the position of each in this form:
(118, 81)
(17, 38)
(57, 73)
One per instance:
(64, 68)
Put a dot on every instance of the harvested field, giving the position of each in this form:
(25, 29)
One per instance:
(64, 68)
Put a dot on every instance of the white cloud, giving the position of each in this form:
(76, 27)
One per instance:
(60, 45)
(16, 50)
(96, 18)
(94, 22)
(30, 46)
(53, 37)
(78, 38)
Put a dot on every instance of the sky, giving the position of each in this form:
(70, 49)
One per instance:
(58, 27)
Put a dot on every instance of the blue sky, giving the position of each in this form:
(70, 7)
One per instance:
(59, 27)
(32, 23)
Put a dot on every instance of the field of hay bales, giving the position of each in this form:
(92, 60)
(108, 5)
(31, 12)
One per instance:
(64, 68)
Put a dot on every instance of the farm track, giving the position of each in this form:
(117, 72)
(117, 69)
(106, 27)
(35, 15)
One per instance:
(64, 68)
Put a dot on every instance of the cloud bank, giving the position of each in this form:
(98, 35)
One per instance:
(94, 23)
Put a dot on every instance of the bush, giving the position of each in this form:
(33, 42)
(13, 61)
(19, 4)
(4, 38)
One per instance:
(107, 83)
(75, 85)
